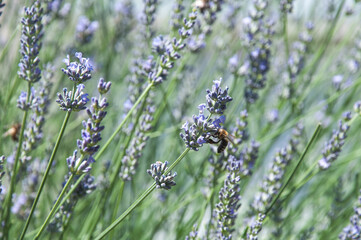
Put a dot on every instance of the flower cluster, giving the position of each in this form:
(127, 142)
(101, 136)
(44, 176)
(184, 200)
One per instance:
(256, 227)
(86, 186)
(171, 50)
(85, 30)
(137, 144)
(196, 134)
(73, 102)
(193, 234)
(88, 145)
(355, 63)
(2, 172)
(177, 15)
(229, 197)
(353, 230)
(296, 61)
(56, 9)
(32, 172)
(32, 33)
(286, 6)
(333, 147)
(273, 181)
(24, 103)
(78, 72)
(147, 17)
(34, 130)
(157, 172)
(258, 34)
(217, 99)
(209, 10)
(124, 18)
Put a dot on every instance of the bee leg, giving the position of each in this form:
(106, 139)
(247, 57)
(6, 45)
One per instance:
(212, 141)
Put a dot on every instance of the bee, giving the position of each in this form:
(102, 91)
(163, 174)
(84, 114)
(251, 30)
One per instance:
(223, 138)
(201, 4)
(13, 132)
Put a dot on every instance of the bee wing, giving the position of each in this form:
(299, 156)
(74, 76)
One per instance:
(231, 138)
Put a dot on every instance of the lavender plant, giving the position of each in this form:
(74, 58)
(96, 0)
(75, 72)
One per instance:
(160, 57)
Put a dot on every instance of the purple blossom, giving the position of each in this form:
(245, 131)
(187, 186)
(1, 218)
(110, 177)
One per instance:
(78, 72)
(85, 29)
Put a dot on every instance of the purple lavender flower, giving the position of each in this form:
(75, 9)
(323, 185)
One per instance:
(32, 33)
(78, 72)
(196, 134)
(177, 15)
(256, 227)
(80, 99)
(88, 144)
(172, 49)
(353, 230)
(147, 18)
(333, 147)
(258, 32)
(286, 6)
(229, 197)
(273, 180)
(25, 105)
(34, 129)
(61, 218)
(157, 173)
(193, 234)
(217, 99)
(137, 144)
(85, 30)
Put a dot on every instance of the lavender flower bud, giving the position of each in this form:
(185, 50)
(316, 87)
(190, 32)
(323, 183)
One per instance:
(32, 33)
(2, 172)
(25, 105)
(230, 198)
(357, 107)
(193, 234)
(333, 147)
(85, 30)
(103, 87)
(177, 15)
(286, 6)
(157, 172)
(80, 99)
(34, 129)
(353, 230)
(78, 72)
(217, 99)
(273, 181)
(256, 227)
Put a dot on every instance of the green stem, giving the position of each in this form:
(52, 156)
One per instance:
(140, 199)
(8, 200)
(55, 206)
(50, 163)
(315, 133)
(285, 35)
(106, 145)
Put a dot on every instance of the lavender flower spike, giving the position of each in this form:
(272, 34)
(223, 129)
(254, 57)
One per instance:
(78, 72)
(217, 99)
(353, 230)
(32, 33)
(196, 134)
(91, 134)
(85, 29)
(333, 147)
(157, 172)
(80, 99)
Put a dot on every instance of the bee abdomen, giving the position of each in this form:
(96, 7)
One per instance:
(222, 146)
